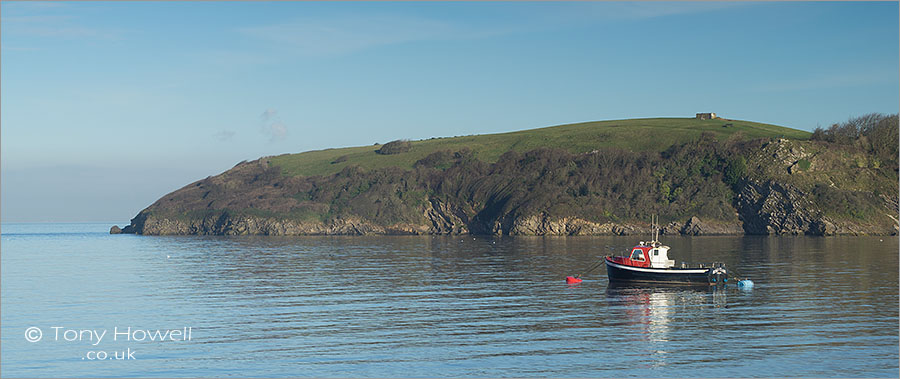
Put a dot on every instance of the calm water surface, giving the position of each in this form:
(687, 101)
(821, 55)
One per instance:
(437, 307)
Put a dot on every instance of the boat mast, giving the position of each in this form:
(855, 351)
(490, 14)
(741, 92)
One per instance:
(654, 228)
(657, 229)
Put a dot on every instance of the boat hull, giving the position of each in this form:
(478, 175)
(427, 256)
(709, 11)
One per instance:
(619, 273)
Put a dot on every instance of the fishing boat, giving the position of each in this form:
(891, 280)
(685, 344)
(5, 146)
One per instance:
(649, 263)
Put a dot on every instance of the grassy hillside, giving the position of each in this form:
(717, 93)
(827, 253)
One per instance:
(653, 134)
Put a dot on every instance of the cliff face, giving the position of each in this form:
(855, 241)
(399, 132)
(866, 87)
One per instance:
(702, 188)
(776, 208)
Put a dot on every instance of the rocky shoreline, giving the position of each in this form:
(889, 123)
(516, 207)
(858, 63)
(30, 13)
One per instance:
(762, 209)
(534, 226)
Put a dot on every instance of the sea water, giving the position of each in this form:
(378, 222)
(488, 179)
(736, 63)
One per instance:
(427, 306)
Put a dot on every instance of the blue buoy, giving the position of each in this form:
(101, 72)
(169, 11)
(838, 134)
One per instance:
(745, 284)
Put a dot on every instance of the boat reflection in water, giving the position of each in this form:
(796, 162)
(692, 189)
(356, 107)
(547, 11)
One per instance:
(651, 315)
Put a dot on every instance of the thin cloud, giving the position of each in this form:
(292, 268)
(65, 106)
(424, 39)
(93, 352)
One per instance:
(579, 13)
(33, 20)
(67, 32)
(19, 48)
(224, 135)
(830, 81)
(278, 130)
(271, 125)
(347, 34)
(36, 5)
(645, 10)
(267, 115)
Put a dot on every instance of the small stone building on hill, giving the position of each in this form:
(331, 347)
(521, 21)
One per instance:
(706, 116)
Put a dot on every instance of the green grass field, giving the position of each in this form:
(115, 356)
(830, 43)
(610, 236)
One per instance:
(652, 134)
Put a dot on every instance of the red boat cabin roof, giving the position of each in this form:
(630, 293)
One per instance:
(653, 255)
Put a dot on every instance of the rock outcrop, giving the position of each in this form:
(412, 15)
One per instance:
(776, 208)
(229, 224)
(543, 225)
(444, 219)
(773, 208)
(695, 227)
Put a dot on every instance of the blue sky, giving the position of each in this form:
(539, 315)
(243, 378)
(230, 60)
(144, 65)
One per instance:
(107, 106)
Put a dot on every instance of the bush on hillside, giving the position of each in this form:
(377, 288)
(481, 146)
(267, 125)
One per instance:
(875, 132)
(735, 170)
(438, 159)
(394, 147)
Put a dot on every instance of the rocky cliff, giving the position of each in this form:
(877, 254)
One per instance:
(255, 199)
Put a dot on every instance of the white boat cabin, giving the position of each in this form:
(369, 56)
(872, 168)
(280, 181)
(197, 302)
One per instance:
(658, 254)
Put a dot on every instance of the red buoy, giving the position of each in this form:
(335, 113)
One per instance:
(572, 280)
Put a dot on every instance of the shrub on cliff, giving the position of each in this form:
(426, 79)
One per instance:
(394, 147)
(875, 132)
(439, 159)
(736, 168)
